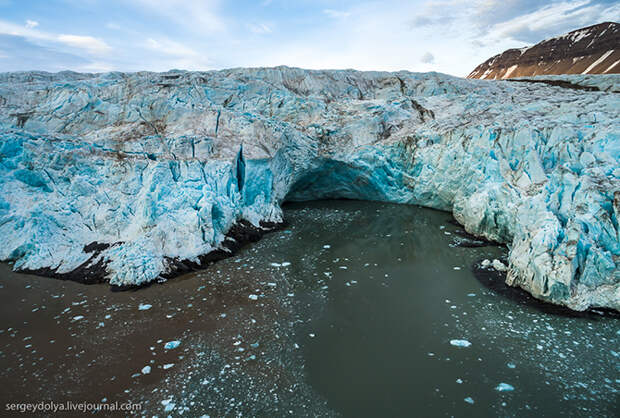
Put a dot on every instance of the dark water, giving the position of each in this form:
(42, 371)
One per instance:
(350, 310)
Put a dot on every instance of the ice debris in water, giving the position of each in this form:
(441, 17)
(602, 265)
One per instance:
(511, 365)
(78, 317)
(146, 370)
(167, 366)
(460, 343)
(253, 297)
(504, 387)
(326, 246)
(144, 307)
(168, 405)
(469, 400)
(498, 265)
(170, 345)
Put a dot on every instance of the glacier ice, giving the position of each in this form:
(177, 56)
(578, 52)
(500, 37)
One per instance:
(131, 178)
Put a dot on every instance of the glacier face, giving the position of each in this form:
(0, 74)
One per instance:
(132, 174)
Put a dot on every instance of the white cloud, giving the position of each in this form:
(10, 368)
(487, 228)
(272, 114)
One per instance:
(259, 28)
(554, 19)
(336, 14)
(169, 47)
(87, 43)
(31, 24)
(196, 15)
(427, 58)
(97, 67)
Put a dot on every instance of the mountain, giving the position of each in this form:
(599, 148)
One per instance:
(129, 178)
(591, 50)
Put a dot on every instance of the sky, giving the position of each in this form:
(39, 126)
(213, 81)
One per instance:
(449, 36)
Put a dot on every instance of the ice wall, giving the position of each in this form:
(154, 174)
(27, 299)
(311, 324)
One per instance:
(124, 176)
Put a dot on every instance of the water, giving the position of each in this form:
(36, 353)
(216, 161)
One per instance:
(355, 309)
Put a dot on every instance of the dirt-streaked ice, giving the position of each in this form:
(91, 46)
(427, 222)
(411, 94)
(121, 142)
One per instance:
(133, 174)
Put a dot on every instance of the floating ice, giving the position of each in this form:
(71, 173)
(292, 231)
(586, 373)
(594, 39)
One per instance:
(460, 343)
(498, 265)
(253, 297)
(469, 400)
(167, 366)
(168, 405)
(170, 345)
(144, 307)
(78, 317)
(146, 370)
(504, 387)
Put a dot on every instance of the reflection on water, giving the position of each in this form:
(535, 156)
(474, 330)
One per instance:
(355, 308)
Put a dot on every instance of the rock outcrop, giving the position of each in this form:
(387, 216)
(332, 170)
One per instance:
(591, 50)
(131, 177)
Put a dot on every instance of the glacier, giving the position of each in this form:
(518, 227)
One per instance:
(130, 178)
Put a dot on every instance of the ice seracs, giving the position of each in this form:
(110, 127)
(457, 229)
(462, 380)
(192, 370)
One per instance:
(132, 178)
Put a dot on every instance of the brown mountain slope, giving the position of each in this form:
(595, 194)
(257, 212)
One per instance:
(591, 50)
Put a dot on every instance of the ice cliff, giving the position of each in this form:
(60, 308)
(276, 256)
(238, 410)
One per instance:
(131, 177)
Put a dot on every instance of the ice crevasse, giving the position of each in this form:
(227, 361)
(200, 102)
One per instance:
(128, 178)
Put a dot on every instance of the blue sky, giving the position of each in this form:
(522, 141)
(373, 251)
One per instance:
(450, 36)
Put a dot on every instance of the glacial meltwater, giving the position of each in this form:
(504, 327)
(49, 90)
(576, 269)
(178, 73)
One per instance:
(353, 308)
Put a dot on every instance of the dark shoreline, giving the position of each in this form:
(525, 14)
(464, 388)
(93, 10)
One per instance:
(240, 234)
(495, 281)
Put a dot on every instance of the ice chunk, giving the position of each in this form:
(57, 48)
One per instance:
(170, 345)
(498, 265)
(146, 370)
(460, 343)
(504, 387)
(144, 307)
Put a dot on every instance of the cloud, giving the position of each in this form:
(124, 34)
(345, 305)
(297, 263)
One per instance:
(167, 54)
(169, 47)
(554, 19)
(427, 58)
(31, 24)
(196, 15)
(88, 43)
(259, 28)
(20, 54)
(336, 14)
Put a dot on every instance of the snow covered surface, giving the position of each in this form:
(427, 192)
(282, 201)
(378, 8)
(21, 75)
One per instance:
(161, 165)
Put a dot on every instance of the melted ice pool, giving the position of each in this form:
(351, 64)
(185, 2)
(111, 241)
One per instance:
(355, 308)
